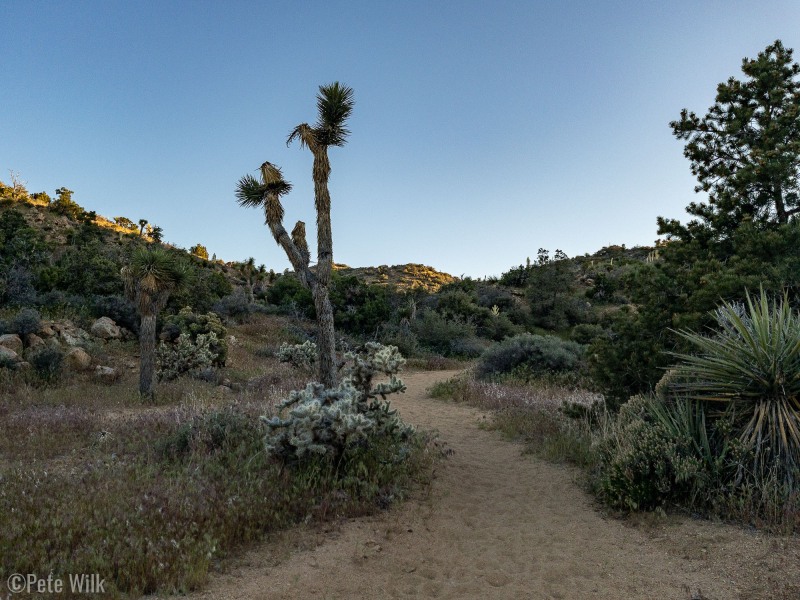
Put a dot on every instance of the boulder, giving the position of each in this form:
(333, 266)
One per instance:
(74, 336)
(11, 341)
(77, 359)
(33, 341)
(106, 329)
(105, 374)
(8, 355)
(22, 366)
(53, 343)
(47, 330)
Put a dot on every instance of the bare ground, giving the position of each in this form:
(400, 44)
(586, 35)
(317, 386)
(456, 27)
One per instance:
(499, 524)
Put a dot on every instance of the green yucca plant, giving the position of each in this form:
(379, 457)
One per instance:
(751, 367)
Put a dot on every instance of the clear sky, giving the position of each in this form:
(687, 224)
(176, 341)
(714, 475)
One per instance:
(482, 130)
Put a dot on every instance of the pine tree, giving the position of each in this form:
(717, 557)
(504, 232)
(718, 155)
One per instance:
(745, 152)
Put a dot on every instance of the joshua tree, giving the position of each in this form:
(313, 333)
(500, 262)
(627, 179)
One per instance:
(142, 225)
(152, 275)
(251, 275)
(156, 234)
(334, 105)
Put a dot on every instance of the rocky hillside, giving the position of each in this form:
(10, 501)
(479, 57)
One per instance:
(404, 277)
(59, 226)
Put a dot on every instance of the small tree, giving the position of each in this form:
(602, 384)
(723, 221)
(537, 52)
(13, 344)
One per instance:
(334, 106)
(65, 205)
(142, 225)
(152, 275)
(125, 223)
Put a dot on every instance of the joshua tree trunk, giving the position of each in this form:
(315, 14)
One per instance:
(147, 347)
(326, 342)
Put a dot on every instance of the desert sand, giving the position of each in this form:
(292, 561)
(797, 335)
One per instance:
(497, 523)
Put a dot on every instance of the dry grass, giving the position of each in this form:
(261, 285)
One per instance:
(530, 412)
(153, 497)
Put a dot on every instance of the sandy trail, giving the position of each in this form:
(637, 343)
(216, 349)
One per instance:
(496, 524)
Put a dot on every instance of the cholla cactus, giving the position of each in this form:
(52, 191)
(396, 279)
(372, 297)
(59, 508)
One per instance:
(185, 356)
(303, 356)
(376, 358)
(328, 422)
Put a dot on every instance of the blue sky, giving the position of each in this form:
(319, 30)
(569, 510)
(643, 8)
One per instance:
(482, 131)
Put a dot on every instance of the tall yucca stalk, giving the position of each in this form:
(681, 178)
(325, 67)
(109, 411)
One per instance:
(752, 368)
(150, 278)
(334, 106)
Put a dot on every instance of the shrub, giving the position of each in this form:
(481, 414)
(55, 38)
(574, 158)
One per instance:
(466, 347)
(117, 308)
(25, 322)
(585, 333)
(359, 308)
(445, 336)
(233, 306)
(539, 354)
(185, 356)
(400, 336)
(657, 451)
(288, 293)
(338, 425)
(47, 363)
(498, 326)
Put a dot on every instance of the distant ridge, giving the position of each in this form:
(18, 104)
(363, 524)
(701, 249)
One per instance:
(57, 229)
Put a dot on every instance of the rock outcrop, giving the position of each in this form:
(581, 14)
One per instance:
(11, 341)
(77, 359)
(106, 329)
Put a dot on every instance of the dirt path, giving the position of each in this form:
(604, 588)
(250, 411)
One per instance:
(498, 524)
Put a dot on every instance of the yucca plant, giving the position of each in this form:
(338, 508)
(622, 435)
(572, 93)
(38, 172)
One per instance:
(751, 368)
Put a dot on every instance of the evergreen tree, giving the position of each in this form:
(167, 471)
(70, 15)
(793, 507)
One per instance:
(745, 152)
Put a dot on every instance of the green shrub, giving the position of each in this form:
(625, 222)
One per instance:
(25, 322)
(585, 333)
(400, 336)
(359, 308)
(234, 306)
(656, 452)
(449, 337)
(289, 294)
(538, 354)
(47, 363)
(117, 308)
